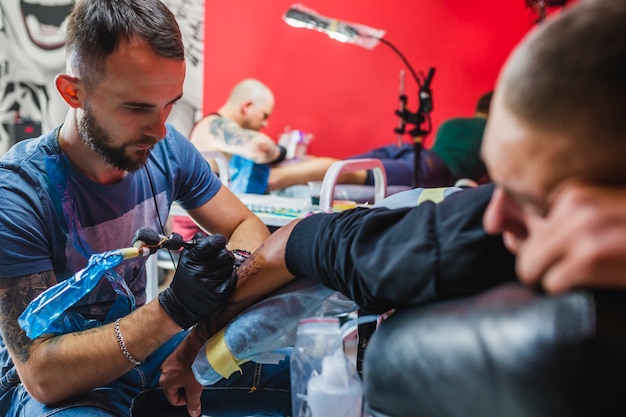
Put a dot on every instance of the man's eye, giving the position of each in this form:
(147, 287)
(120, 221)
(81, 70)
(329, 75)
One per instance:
(528, 204)
(134, 108)
(537, 209)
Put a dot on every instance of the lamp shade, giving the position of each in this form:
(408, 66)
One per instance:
(300, 16)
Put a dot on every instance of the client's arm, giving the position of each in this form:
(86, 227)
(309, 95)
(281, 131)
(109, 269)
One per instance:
(383, 259)
(379, 258)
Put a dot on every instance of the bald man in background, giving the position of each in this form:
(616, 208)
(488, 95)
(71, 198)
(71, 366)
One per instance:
(235, 128)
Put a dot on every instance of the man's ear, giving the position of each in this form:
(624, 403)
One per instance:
(245, 107)
(69, 88)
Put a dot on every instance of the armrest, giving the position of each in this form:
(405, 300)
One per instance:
(330, 179)
(509, 351)
(222, 164)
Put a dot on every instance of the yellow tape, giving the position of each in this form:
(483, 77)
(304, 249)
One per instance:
(220, 357)
(435, 195)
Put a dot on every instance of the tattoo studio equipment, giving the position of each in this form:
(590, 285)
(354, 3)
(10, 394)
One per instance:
(51, 312)
(301, 17)
(420, 119)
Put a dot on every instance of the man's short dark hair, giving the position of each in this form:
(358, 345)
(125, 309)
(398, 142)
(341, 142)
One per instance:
(569, 75)
(567, 83)
(96, 28)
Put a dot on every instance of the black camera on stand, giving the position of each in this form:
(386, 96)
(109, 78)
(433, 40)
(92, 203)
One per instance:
(419, 119)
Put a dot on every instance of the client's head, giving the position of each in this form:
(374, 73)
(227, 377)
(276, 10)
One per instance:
(558, 114)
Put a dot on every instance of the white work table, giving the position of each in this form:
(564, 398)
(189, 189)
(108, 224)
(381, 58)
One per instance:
(272, 210)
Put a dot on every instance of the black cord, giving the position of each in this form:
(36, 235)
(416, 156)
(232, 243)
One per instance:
(156, 207)
(425, 106)
(420, 85)
(403, 58)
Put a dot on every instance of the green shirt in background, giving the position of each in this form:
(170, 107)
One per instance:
(458, 144)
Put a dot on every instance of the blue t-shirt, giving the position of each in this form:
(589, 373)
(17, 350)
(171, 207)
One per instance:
(54, 218)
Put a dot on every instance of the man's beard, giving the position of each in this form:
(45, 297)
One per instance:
(98, 140)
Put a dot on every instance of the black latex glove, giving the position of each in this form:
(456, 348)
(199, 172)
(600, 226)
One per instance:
(203, 280)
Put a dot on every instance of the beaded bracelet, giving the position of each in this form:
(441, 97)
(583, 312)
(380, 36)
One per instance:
(120, 341)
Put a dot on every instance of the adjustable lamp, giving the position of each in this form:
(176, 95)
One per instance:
(542, 7)
(301, 17)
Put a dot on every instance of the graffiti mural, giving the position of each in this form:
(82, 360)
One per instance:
(190, 17)
(32, 36)
(32, 52)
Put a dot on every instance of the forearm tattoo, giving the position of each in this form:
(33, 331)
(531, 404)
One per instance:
(15, 295)
(230, 132)
(250, 267)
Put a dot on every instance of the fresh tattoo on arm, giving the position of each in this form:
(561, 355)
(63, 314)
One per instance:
(15, 294)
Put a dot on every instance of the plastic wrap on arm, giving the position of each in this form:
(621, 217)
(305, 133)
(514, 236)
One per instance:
(49, 312)
(264, 327)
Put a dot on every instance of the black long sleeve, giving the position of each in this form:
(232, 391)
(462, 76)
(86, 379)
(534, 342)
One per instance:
(384, 259)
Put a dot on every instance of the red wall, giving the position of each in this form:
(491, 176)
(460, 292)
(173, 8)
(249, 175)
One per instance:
(344, 94)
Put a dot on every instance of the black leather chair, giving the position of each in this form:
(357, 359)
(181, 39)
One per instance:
(508, 352)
